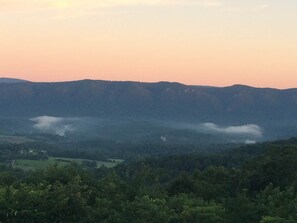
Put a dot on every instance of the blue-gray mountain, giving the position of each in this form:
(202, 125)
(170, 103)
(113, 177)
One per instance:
(150, 109)
(169, 101)
(5, 80)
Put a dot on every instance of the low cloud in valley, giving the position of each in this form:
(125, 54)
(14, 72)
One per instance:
(244, 130)
(55, 125)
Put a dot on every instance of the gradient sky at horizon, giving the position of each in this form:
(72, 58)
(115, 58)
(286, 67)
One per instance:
(201, 42)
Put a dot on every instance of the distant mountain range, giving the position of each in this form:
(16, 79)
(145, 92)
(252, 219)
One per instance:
(163, 101)
(240, 112)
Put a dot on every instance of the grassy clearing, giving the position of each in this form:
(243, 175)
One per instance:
(99, 163)
(60, 161)
(116, 160)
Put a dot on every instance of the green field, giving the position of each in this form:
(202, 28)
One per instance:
(60, 161)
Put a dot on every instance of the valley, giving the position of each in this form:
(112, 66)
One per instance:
(119, 152)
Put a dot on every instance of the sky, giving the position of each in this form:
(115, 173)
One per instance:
(197, 42)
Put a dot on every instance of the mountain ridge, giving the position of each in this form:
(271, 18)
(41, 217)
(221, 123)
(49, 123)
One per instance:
(161, 100)
(143, 82)
(11, 80)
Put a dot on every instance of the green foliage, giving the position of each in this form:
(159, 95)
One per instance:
(189, 208)
(268, 219)
(146, 209)
(263, 190)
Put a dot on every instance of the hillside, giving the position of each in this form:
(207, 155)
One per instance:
(163, 100)
(5, 80)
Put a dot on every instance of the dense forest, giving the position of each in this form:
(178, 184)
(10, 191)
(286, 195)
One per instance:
(252, 184)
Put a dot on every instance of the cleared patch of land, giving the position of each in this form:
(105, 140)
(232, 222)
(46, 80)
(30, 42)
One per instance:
(60, 161)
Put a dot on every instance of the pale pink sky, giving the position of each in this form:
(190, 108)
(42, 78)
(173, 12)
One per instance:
(201, 42)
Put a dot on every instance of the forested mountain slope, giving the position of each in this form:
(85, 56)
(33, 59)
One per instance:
(164, 100)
